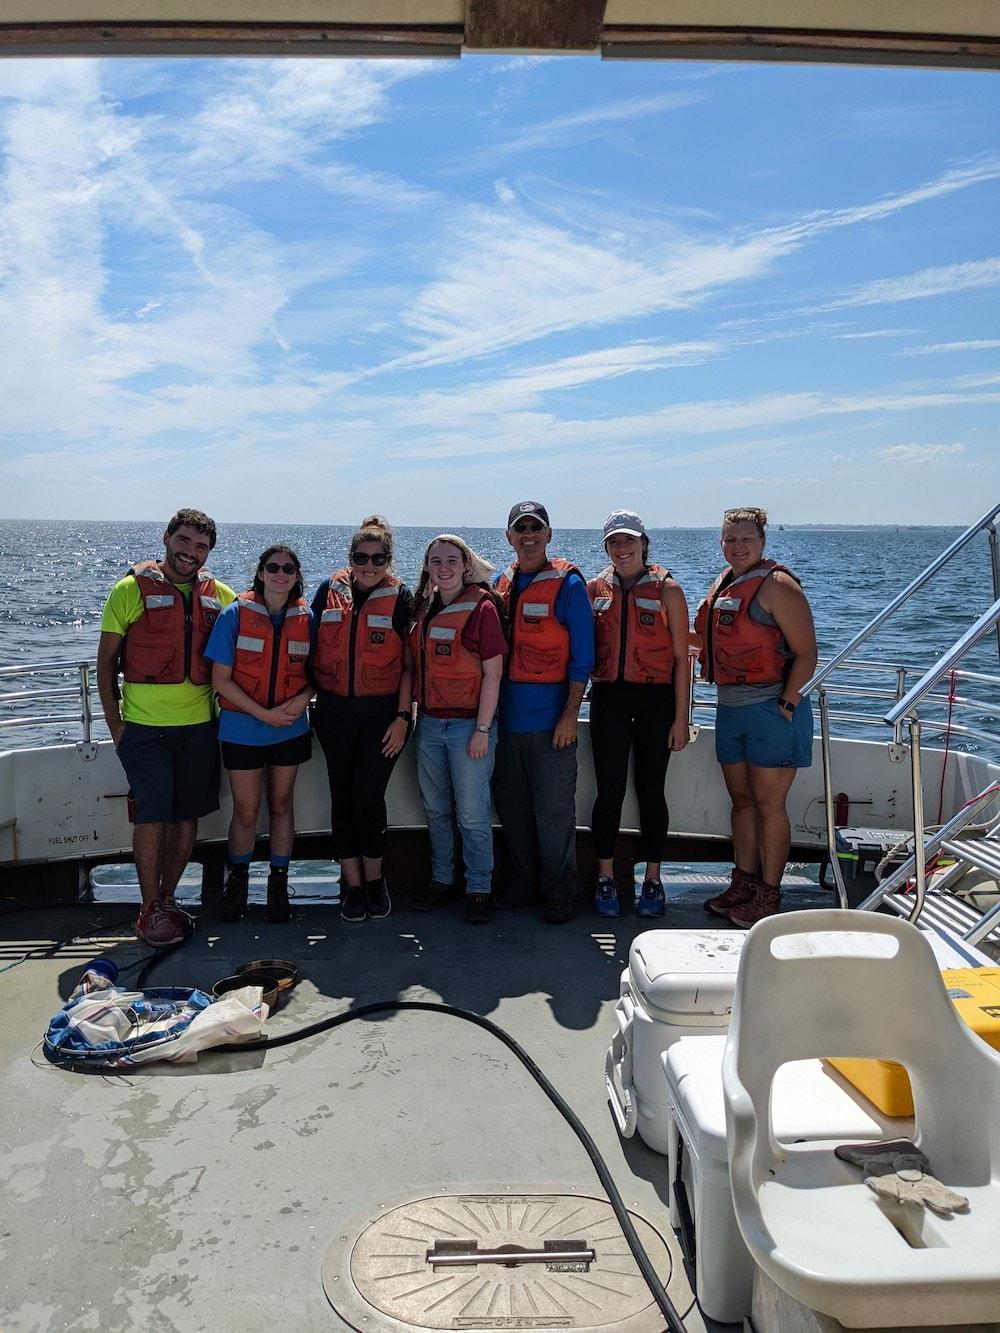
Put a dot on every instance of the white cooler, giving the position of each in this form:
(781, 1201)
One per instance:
(678, 983)
(809, 1100)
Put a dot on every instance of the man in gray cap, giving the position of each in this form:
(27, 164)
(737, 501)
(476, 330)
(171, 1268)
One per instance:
(551, 657)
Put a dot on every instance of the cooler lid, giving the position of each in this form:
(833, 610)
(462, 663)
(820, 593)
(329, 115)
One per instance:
(678, 972)
(807, 1101)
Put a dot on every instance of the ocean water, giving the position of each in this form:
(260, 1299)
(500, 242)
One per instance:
(57, 575)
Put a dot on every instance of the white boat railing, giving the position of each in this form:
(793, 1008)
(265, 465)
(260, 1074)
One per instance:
(23, 707)
(949, 704)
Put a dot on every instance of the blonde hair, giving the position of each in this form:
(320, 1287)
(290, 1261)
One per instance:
(758, 517)
(475, 570)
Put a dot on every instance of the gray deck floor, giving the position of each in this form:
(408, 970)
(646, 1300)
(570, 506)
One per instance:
(205, 1196)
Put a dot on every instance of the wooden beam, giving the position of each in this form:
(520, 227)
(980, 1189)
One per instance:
(221, 39)
(808, 46)
(533, 25)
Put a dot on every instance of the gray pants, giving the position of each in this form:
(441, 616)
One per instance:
(534, 791)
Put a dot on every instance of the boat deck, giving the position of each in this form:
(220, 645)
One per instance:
(207, 1196)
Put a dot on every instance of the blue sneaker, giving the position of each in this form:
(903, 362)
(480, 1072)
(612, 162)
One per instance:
(652, 900)
(606, 897)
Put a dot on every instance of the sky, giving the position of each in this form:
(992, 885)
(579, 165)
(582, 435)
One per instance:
(304, 291)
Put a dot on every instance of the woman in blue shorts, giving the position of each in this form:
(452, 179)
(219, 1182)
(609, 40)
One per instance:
(259, 649)
(757, 643)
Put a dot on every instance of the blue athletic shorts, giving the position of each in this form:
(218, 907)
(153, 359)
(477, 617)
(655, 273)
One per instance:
(173, 771)
(761, 734)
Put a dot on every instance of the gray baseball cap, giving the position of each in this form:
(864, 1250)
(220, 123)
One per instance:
(623, 520)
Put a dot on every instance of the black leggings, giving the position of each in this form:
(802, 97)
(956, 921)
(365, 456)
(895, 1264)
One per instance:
(628, 717)
(350, 730)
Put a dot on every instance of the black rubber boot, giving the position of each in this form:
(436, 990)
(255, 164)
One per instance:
(278, 909)
(233, 903)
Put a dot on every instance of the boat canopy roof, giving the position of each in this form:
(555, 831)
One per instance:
(962, 34)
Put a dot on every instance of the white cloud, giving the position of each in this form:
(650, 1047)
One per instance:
(972, 345)
(930, 282)
(920, 454)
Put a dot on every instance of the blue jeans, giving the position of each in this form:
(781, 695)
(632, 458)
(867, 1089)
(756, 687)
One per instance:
(455, 790)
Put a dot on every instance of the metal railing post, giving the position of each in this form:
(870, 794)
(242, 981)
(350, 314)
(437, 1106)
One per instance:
(919, 850)
(831, 829)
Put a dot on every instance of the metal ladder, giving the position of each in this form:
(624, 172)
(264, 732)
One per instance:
(935, 903)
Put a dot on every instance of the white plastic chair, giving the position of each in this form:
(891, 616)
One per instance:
(808, 1219)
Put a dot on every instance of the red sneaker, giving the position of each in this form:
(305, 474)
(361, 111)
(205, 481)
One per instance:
(156, 926)
(176, 913)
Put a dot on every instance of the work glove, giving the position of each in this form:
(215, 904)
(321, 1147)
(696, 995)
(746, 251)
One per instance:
(898, 1170)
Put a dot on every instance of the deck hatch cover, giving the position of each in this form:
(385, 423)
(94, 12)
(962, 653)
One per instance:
(514, 1258)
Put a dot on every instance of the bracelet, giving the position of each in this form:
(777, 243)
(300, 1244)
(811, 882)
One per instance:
(481, 727)
(787, 705)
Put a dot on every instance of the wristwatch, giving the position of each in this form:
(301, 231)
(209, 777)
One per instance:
(481, 727)
(404, 716)
(787, 705)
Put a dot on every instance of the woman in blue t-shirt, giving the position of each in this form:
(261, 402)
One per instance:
(259, 649)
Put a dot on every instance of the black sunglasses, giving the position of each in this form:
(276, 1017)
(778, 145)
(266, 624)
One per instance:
(273, 567)
(522, 528)
(362, 557)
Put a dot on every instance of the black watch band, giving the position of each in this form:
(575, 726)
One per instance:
(787, 705)
(404, 716)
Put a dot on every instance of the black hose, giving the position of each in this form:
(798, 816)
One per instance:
(674, 1322)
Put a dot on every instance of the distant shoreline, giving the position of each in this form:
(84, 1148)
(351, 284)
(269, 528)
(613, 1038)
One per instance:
(473, 527)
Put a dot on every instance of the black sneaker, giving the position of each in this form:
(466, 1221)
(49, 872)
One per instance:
(434, 896)
(233, 903)
(478, 909)
(278, 909)
(558, 911)
(353, 902)
(377, 899)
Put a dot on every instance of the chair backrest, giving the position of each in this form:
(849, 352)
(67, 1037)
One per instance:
(859, 984)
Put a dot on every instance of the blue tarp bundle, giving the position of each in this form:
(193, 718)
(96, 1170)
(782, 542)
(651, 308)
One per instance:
(105, 1026)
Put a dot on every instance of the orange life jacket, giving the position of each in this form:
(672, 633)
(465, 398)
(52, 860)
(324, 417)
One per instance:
(447, 676)
(631, 634)
(270, 664)
(736, 650)
(358, 651)
(539, 644)
(165, 645)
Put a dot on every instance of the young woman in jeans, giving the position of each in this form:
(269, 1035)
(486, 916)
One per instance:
(457, 646)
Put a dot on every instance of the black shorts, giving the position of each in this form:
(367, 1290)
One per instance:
(173, 771)
(283, 754)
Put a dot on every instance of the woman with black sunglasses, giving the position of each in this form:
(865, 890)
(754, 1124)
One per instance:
(364, 700)
(259, 650)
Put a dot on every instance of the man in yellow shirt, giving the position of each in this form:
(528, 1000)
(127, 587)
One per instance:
(154, 628)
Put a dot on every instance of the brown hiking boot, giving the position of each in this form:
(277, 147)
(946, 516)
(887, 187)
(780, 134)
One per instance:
(765, 902)
(742, 887)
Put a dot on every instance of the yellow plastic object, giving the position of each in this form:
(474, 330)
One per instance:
(975, 993)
